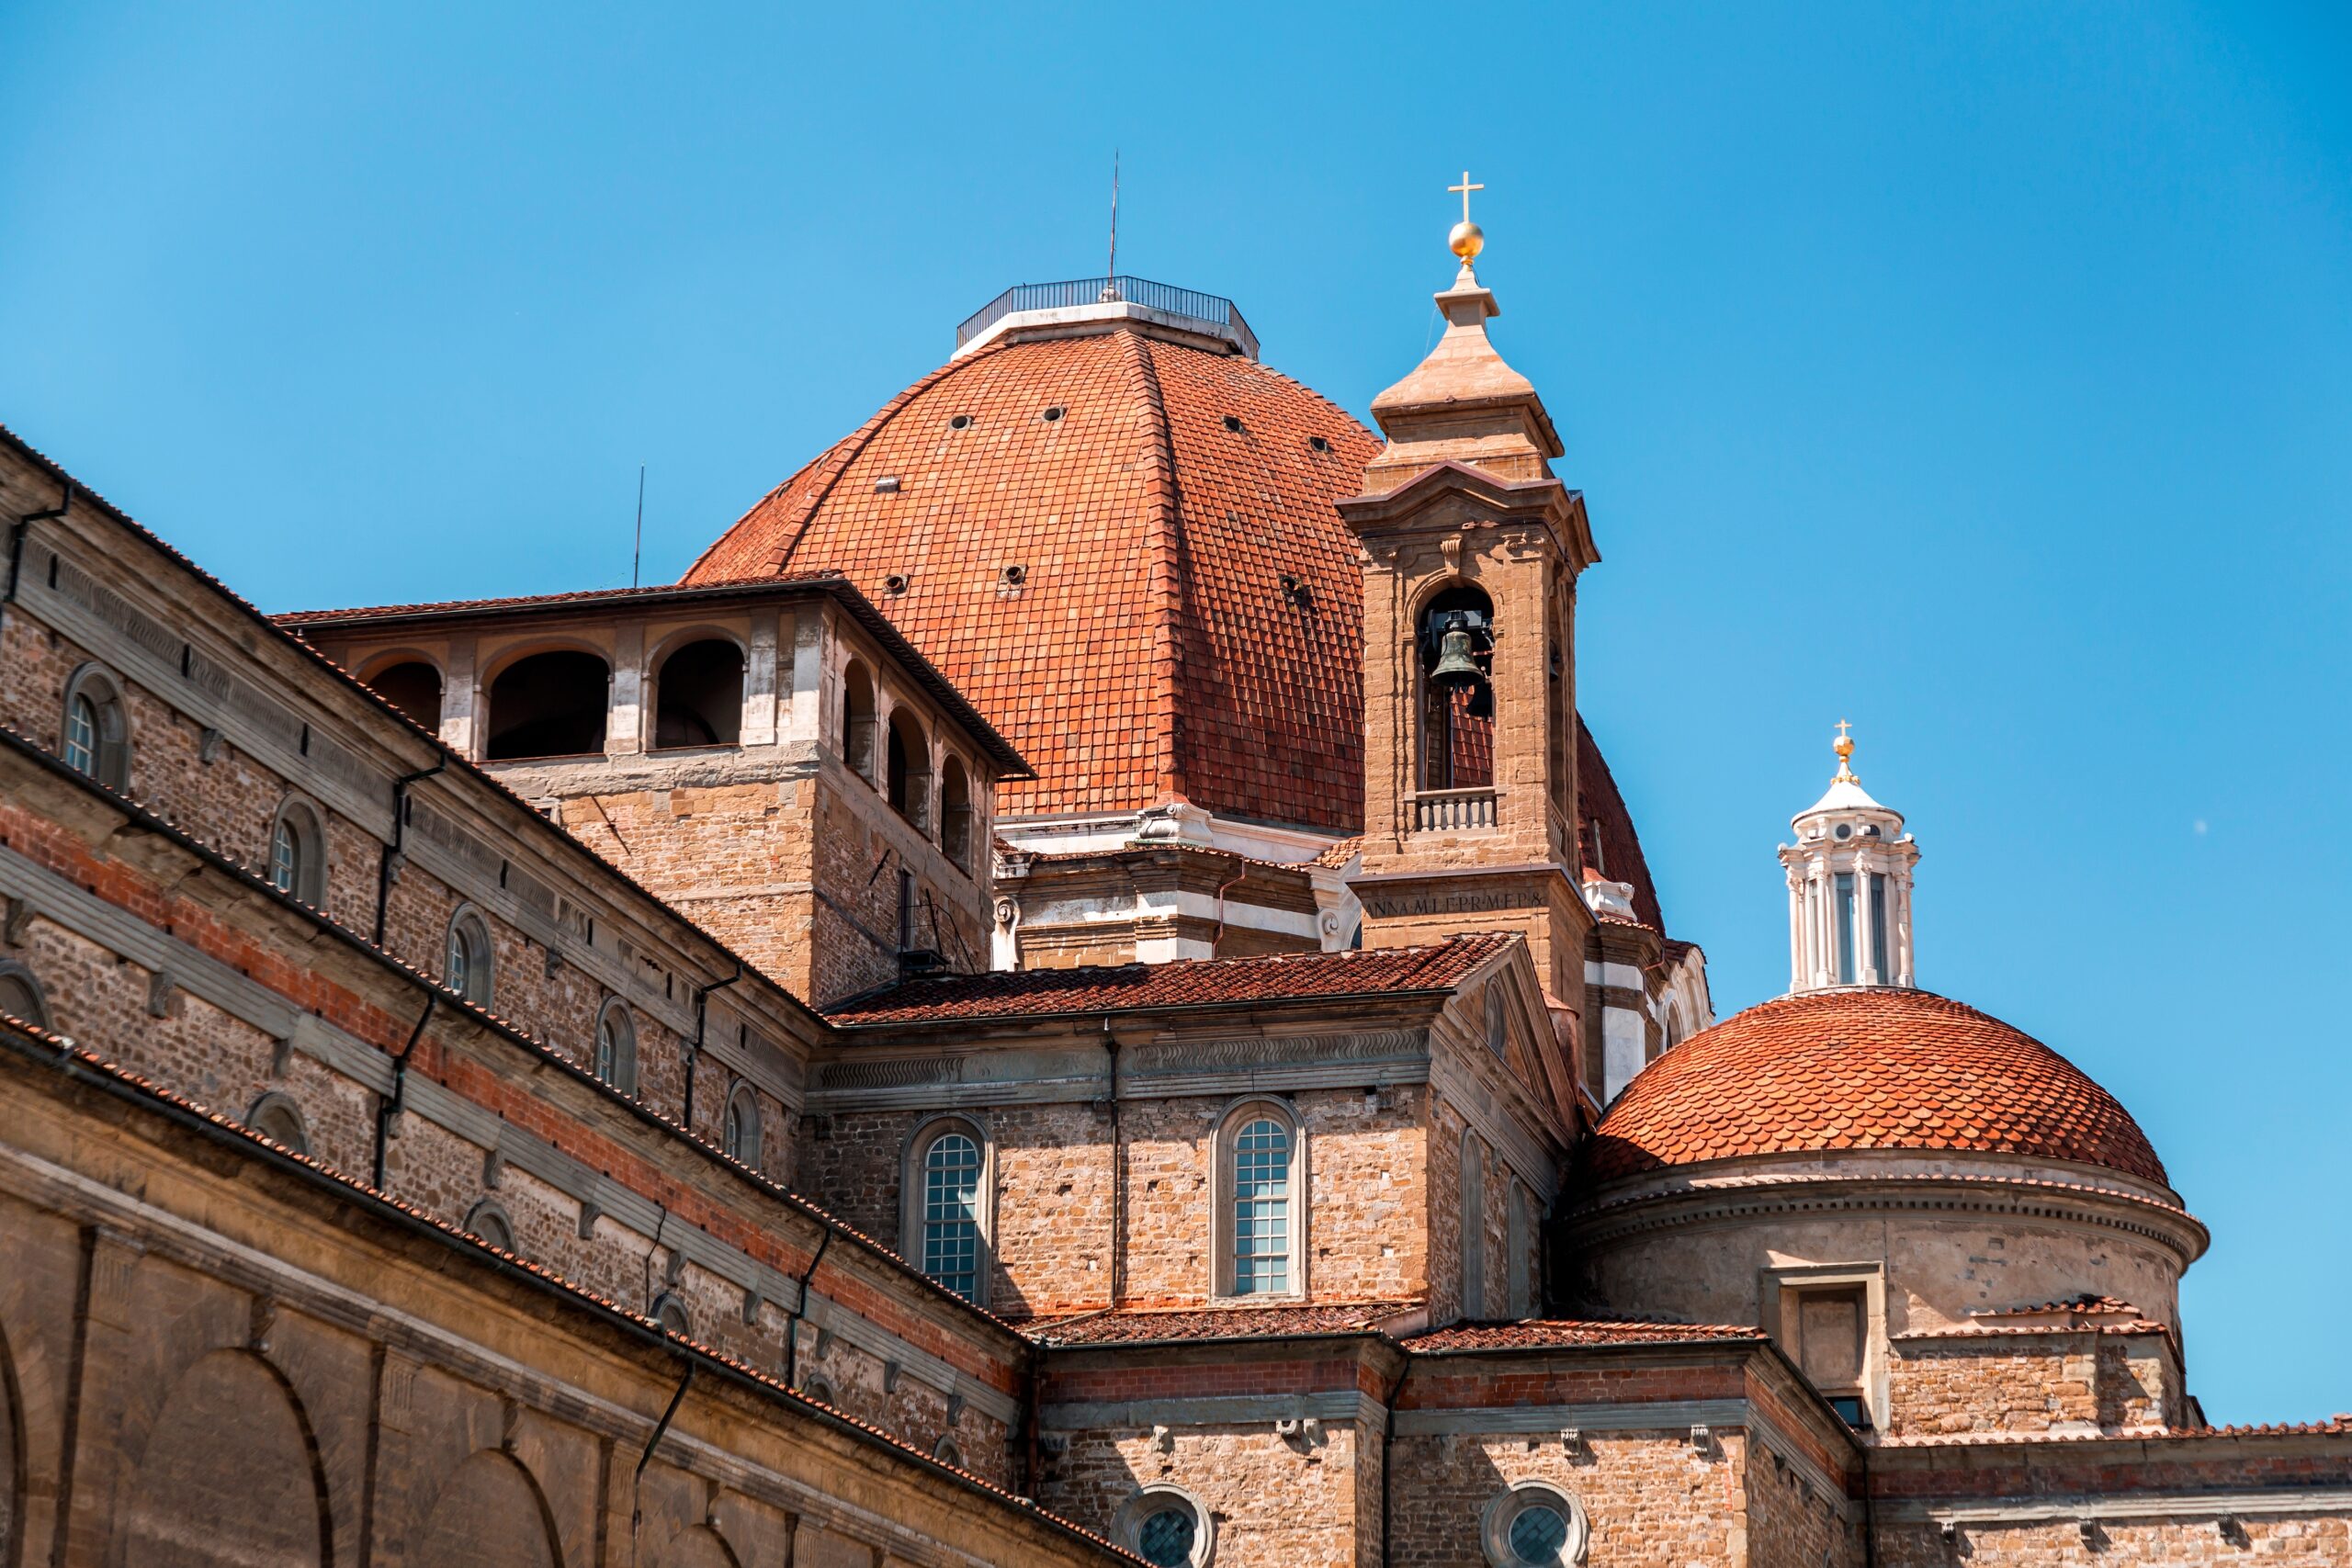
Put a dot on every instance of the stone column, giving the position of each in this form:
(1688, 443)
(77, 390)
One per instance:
(625, 710)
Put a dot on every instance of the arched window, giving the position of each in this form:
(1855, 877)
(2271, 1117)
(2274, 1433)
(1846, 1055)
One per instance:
(20, 994)
(957, 817)
(97, 729)
(698, 696)
(1533, 1525)
(1167, 1526)
(857, 720)
(466, 960)
(413, 687)
(617, 1046)
(1262, 1249)
(1498, 1017)
(1457, 691)
(740, 1136)
(671, 1314)
(1474, 1227)
(298, 854)
(909, 777)
(549, 704)
(488, 1220)
(947, 1453)
(276, 1117)
(819, 1389)
(947, 1211)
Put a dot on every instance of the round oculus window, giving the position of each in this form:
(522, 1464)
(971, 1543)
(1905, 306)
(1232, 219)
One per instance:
(1534, 1525)
(1168, 1534)
(1844, 830)
(1538, 1534)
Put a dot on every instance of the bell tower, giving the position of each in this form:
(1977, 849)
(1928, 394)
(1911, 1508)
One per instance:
(1471, 553)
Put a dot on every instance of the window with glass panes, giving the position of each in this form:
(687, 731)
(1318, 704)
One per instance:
(951, 1213)
(1262, 1209)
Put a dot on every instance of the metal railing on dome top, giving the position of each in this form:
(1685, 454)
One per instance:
(1210, 308)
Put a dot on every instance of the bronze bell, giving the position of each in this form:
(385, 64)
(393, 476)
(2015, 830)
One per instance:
(1454, 665)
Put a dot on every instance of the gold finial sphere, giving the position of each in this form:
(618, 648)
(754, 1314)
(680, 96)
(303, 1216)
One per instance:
(1466, 241)
(1844, 747)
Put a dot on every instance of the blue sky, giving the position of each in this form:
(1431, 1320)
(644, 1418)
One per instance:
(1977, 373)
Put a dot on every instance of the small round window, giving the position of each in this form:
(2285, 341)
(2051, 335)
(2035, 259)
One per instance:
(1168, 1534)
(1844, 830)
(1534, 1525)
(1167, 1527)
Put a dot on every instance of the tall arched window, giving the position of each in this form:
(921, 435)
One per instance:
(1521, 1233)
(955, 814)
(1474, 1227)
(1260, 1212)
(857, 720)
(741, 1135)
(908, 776)
(20, 994)
(698, 696)
(617, 1046)
(466, 960)
(276, 1117)
(298, 854)
(95, 733)
(946, 1206)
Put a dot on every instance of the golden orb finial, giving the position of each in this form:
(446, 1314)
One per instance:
(1844, 747)
(1468, 239)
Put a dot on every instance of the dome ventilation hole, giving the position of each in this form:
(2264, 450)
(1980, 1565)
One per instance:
(1317, 443)
(1052, 414)
(961, 422)
(1233, 422)
(1013, 576)
(886, 485)
(895, 584)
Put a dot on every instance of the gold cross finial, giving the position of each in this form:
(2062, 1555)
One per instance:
(1843, 725)
(1465, 188)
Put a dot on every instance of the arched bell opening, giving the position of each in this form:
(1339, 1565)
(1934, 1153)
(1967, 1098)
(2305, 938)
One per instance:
(908, 770)
(1456, 645)
(955, 814)
(549, 704)
(857, 720)
(698, 696)
(412, 686)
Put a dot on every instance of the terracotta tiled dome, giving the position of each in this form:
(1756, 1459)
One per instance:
(1188, 617)
(1864, 1069)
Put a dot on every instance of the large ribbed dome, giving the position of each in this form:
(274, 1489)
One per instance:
(1187, 615)
(1842, 1070)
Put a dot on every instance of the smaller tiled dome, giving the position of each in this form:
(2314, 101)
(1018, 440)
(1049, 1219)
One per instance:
(1876, 1069)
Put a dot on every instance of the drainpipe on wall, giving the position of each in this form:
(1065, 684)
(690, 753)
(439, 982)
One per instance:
(389, 868)
(799, 1310)
(17, 542)
(1118, 1176)
(694, 1046)
(388, 1106)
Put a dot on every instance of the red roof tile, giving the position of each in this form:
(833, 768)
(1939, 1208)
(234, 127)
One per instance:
(1132, 1326)
(1194, 982)
(1864, 1069)
(1152, 648)
(1539, 1334)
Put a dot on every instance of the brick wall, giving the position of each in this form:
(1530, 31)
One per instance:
(1653, 1501)
(1276, 1504)
(2064, 1380)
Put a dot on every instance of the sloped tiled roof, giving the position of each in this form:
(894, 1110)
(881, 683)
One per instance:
(1152, 648)
(1537, 1333)
(1864, 1069)
(1189, 982)
(1128, 1327)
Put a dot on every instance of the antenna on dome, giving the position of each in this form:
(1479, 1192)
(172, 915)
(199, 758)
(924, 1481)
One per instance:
(637, 552)
(1111, 272)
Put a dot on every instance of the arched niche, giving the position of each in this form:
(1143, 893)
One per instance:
(12, 1461)
(698, 696)
(489, 1513)
(547, 704)
(700, 1547)
(229, 1475)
